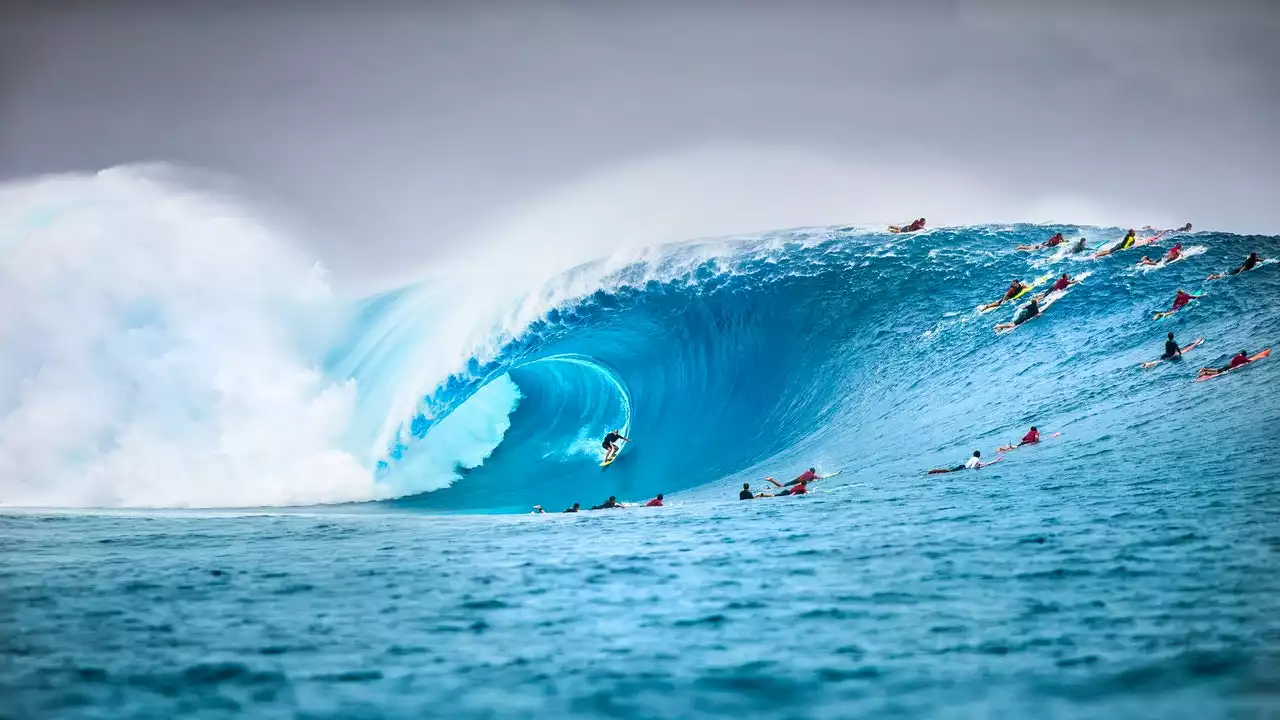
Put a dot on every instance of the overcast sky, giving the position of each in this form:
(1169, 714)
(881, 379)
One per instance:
(399, 131)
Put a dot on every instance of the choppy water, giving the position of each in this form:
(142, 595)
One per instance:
(164, 349)
(979, 596)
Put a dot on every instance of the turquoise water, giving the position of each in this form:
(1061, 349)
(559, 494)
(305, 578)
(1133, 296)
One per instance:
(385, 451)
(985, 595)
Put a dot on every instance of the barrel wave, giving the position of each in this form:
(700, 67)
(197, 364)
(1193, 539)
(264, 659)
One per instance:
(477, 391)
(846, 348)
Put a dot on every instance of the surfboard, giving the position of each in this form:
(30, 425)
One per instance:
(983, 309)
(1252, 359)
(1152, 363)
(940, 471)
(609, 462)
(1048, 302)
(1011, 448)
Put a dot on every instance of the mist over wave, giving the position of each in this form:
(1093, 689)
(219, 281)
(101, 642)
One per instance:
(171, 350)
(160, 349)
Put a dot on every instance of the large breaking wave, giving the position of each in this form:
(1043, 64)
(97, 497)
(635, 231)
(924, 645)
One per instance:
(169, 350)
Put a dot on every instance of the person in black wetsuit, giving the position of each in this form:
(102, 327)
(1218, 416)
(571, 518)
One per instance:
(610, 444)
(609, 504)
(1031, 310)
(572, 509)
(1249, 263)
(1171, 349)
(746, 493)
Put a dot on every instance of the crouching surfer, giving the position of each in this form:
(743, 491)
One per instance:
(611, 444)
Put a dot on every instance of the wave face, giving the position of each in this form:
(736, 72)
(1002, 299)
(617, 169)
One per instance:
(843, 349)
(182, 358)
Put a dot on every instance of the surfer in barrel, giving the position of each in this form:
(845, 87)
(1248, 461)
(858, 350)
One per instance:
(611, 445)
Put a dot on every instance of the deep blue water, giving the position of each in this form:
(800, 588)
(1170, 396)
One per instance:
(983, 596)
(1127, 568)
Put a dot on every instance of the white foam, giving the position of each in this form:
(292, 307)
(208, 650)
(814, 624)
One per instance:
(159, 350)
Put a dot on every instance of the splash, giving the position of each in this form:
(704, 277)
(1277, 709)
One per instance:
(160, 349)
(172, 350)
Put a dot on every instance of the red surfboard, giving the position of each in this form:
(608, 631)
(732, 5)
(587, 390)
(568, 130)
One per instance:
(1252, 359)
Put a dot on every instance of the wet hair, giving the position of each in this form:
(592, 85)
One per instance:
(575, 504)
(746, 486)
(977, 453)
(1243, 352)
(1033, 427)
(812, 470)
(659, 496)
(1170, 336)
(613, 497)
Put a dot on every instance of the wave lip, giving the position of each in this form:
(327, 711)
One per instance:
(165, 348)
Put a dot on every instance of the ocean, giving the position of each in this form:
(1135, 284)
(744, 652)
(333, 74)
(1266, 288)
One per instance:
(230, 490)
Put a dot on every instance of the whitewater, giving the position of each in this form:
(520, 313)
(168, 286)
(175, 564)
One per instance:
(168, 348)
(230, 488)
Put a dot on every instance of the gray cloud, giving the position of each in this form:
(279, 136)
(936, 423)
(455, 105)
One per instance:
(398, 129)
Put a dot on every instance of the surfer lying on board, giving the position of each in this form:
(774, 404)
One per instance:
(611, 446)
(572, 509)
(1184, 228)
(1080, 246)
(1031, 438)
(1054, 241)
(807, 476)
(609, 504)
(910, 227)
(1179, 301)
(1174, 253)
(1128, 241)
(1015, 287)
(1237, 361)
(1031, 310)
(973, 463)
(797, 487)
(1061, 283)
(1249, 263)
